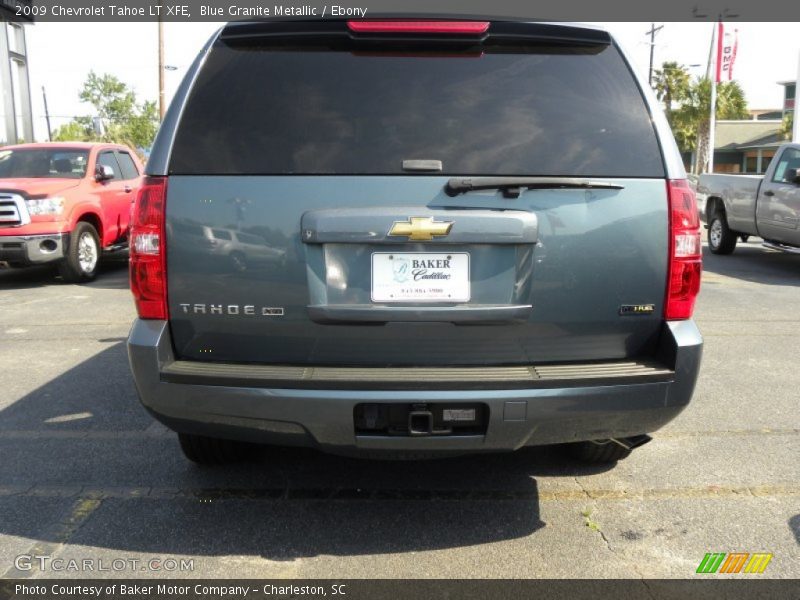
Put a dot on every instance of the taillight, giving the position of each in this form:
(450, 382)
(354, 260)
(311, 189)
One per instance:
(147, 257)
(451, 27)
(685, 262)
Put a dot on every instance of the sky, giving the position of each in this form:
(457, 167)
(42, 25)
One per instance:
(62, 54)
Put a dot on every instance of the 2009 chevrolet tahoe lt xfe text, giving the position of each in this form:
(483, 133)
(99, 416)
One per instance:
(414, 238)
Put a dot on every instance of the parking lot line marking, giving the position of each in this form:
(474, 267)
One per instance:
(82, 509)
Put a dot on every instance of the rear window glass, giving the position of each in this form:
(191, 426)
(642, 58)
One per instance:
(269, 111)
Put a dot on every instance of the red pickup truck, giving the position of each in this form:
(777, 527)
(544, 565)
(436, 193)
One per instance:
(65, 203)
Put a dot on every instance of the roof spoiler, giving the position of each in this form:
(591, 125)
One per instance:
(410, 30)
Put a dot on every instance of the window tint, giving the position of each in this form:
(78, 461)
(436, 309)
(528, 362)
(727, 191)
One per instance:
(536, 112)
(790, 159)
(107, 159)
(129, 170)
(222, 234)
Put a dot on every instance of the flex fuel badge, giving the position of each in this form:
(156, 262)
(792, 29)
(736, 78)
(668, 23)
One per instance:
(630, 310)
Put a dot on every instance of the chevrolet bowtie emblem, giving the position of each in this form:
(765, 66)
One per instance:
(421, 229)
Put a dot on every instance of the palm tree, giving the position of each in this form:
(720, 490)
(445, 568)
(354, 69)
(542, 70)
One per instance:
(671, 83)
(692, 118)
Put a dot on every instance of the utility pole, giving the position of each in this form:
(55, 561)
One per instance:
(652, 33)
(47, 116)
(161, 108)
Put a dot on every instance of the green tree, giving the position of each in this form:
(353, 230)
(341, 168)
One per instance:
(126, 121)
(142, 127)
(671, 83)
(693, 117)
(787, 125)
(687, 104)
(111, 98)
(77, 130)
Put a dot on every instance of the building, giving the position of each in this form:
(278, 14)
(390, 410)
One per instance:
(765, 114)
(746, 146)
(789, 95)
(16, 118)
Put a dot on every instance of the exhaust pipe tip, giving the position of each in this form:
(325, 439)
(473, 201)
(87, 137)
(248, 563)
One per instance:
(629, 443)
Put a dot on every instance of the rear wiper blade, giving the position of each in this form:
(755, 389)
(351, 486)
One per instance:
(512, 186)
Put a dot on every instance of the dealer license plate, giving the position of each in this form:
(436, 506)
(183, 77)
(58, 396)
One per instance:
(420, 277)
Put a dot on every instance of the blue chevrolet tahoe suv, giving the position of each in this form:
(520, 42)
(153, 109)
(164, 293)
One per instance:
(462, 236)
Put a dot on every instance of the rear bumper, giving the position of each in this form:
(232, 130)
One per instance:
(26, 250)
(546, 412)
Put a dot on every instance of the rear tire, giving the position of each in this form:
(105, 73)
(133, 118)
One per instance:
(598, 452)
(721, 240)
(82, 259)
(213, 451)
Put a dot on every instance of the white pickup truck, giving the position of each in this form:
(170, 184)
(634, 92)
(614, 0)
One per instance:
(737, 206)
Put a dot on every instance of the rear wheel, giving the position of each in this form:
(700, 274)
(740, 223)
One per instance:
(213, 451)
(83, 255)
(721, 240)
(602, 451)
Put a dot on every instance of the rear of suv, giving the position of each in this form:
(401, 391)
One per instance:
(485, 234)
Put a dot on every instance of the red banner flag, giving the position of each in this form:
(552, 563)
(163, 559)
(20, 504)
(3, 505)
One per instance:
(727, 45)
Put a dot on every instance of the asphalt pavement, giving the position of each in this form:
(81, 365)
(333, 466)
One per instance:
(85, 473)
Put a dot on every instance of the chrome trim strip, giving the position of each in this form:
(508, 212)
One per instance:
(22, 216)
(29, 246)
(522, 376)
